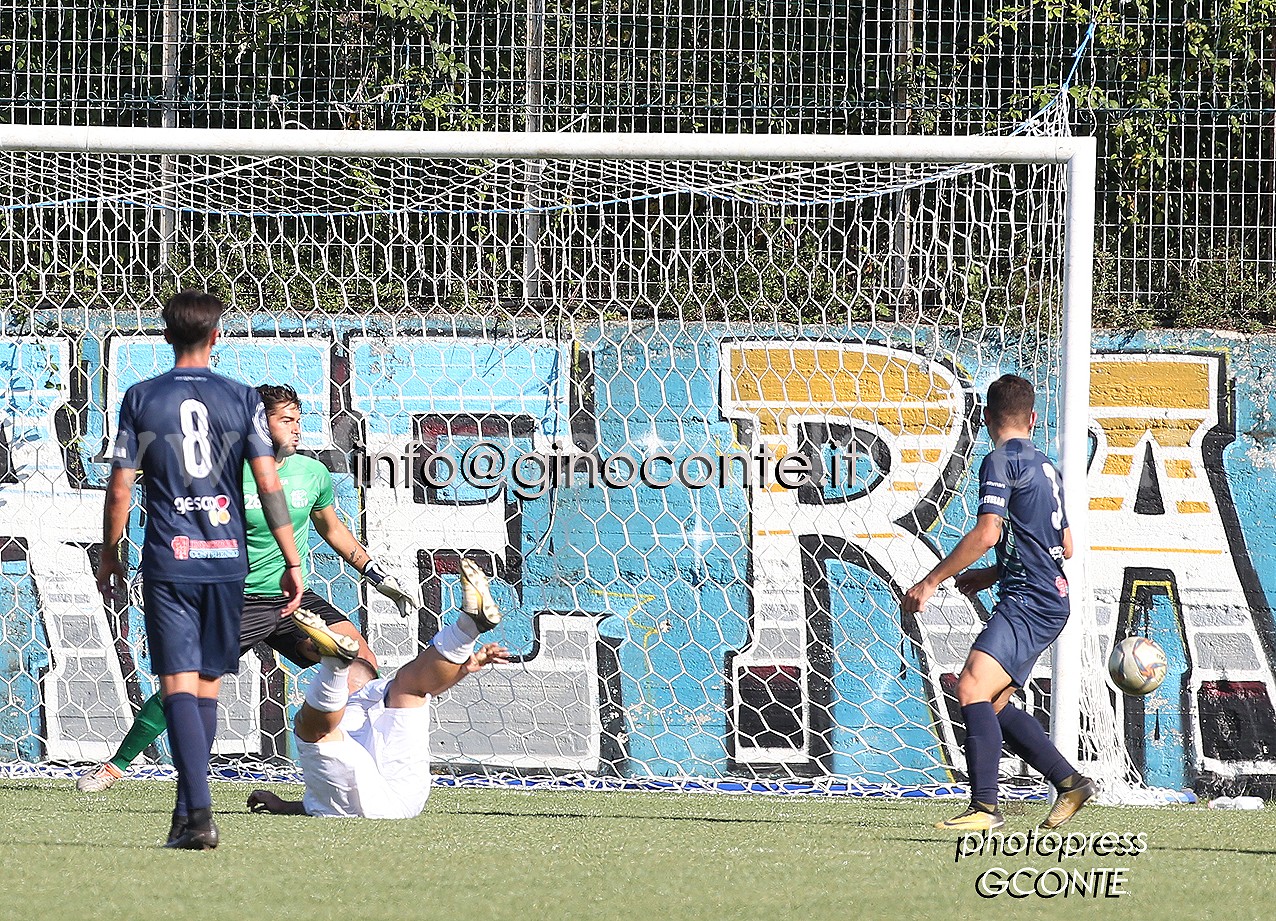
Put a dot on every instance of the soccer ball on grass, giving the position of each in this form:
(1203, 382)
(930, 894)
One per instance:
(1137, 665)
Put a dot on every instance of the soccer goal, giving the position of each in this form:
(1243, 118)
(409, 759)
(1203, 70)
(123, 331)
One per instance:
(637, 332)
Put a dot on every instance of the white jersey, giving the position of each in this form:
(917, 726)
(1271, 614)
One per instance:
(378, 768)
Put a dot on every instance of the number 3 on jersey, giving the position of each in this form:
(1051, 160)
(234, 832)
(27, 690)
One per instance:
(197, 454)
(1056, 517)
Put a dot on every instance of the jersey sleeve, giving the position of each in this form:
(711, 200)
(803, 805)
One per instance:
(994, 485)
(259, 443)
(124, 453)
(324, 497)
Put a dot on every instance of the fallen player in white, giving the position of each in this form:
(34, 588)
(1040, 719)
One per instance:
(363, 742)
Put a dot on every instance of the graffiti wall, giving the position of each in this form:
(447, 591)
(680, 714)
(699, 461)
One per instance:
(675, 608)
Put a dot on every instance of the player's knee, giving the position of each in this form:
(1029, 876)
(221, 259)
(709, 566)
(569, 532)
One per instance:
(969, 690)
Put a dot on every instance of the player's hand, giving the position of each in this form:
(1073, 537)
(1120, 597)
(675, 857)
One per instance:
(916, 597)
(265, 801)
(290, 585)
(488, 654)
(973, 581)
(407, 602)
(112, 578)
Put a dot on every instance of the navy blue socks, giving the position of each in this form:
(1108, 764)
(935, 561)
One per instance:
(983, 751)
(1025, 737)
(208, 714)
(190, 745)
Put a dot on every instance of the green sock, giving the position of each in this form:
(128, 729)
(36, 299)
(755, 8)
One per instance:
(147, 726)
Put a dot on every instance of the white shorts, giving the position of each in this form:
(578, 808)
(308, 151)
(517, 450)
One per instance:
(378, 768)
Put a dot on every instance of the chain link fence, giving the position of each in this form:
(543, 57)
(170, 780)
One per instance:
(1180, 95)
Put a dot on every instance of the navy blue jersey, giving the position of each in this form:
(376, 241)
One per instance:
(1022, 485)
(189, 431)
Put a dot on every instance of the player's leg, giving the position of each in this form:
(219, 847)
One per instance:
(329, 689)
(148, 725)
(982, 684)
(287, 639)
(220, 612)
(1026, 737)
(260, 618)
(172, 629)
(446, 660)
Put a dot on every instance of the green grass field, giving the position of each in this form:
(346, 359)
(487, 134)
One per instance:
(514, 855)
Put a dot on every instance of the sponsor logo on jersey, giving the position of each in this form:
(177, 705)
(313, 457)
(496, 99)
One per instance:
(217, 507)
(992, 500)
(1062, 585)
(187, 548)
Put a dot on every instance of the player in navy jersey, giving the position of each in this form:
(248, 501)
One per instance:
(1021, 515)
(189, 433)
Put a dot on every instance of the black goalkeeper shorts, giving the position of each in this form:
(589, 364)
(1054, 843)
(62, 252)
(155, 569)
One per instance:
(262, 624)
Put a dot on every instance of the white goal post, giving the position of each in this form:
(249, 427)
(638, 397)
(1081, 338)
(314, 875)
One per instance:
(1076, 156)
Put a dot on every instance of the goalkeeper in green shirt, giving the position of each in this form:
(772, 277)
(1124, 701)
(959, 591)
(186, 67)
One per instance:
(307, 487)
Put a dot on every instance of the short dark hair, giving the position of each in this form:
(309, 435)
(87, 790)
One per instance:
(273, 395)
(190, 318)
(1010, 400)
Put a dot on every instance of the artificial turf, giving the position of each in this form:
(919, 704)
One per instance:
(480, 854)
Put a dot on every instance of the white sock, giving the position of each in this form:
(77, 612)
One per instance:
(328, 690)
(455, 642)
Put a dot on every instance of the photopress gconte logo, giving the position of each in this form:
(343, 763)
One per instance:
(1030, 874)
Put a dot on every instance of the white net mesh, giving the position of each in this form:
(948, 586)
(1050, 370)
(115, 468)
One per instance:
(694, 316)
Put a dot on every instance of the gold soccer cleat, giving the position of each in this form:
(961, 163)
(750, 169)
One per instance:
(1068, 802)
(976, 818)
(327, 641)
(476, 596)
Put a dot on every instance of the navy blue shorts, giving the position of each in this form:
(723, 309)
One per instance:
(193, 627)
(1017, 634)
(262, 624)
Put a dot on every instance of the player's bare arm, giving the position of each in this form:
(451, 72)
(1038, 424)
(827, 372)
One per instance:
(334, 531)
(1067, 543)
(969, 550)
(275, 508)
(112, 577)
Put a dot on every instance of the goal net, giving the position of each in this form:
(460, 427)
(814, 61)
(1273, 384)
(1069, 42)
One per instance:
(705, 407)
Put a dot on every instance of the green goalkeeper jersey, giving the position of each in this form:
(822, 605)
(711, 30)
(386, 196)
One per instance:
(307, 486)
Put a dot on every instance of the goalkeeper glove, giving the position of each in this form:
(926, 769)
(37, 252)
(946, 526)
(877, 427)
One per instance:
(406, 601)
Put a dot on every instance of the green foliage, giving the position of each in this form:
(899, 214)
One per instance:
(1150, 66)
(1220, 290)
(325, 64)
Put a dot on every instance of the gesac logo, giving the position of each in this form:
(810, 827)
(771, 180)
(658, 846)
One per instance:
(217, 507)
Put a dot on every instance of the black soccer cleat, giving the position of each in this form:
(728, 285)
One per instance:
(199, 834)
(175, 830)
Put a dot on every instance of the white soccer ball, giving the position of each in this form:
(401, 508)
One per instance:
(1137, 665)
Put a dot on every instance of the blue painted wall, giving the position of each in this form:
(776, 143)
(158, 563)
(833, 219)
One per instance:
(665, 585)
